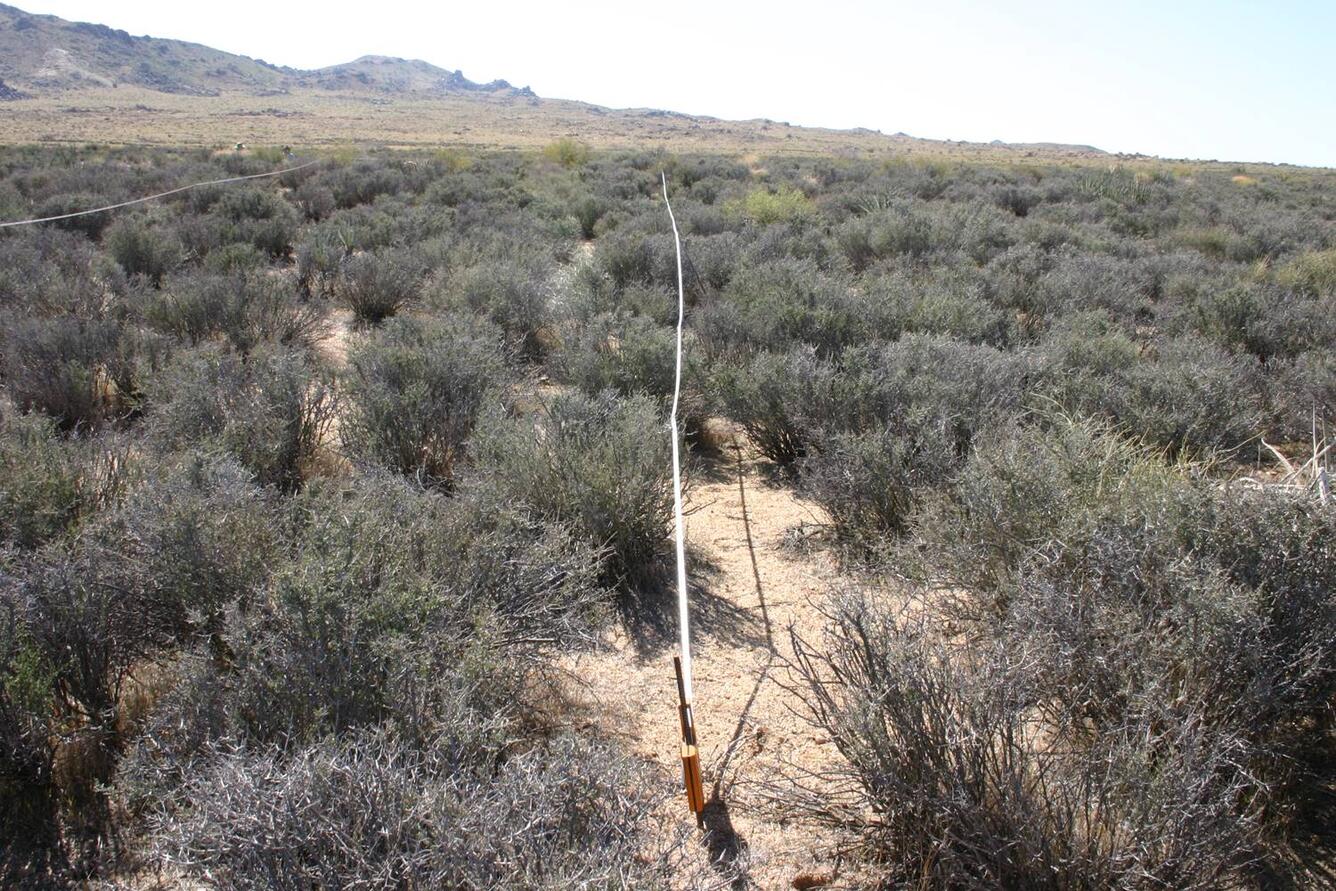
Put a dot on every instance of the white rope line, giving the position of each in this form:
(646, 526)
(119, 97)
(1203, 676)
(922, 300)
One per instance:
(110, 207)
(683, 621)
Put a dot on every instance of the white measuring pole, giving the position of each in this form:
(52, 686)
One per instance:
(683, 620)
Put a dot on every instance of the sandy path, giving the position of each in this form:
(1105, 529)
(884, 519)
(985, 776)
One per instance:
(748, 590)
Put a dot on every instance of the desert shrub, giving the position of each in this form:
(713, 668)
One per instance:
(91, 225)
(601, 465)
(80, 619)
(711, 261)
(1264, 321)
(895, 231)
(1303, 391)
(318, 261)
(627, 255)
(870, 482)
(397, 606)
(362, 182)
(1081, 542)
(202, 537)
(632, 354)
(376, 286)
(48, 272)
(563, 812)
(1194, 395)
(52, 484)
(315, 201)
(79, 372)
(260, 218)
(1222, 243)
(775, 305)
(246, 308)
(512, 291)
(1187, 393)
(774, 398)
(142, 249)
(944, 785)
(1312, 273)
(30, 849)
(269, 411)
(968, 386)
(765, 207)
(567, 152)
(415, 393)
(234, 259)
(588, 293)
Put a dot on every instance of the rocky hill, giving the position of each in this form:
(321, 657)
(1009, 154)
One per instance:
(66, 81)
(44, 55)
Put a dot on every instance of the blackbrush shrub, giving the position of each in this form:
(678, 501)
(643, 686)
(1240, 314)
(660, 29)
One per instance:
(376, 286)
(398, 606)
(318, 260)
(939, 743)
(564, 812)
(775, 305)
(89, 224)
(269, 411)
(1194, 395)
(142, 249)
(51, 483)
(775, 397)
(31, 853)
(202, 537)
(632, 354)
(602, 465)
(968, 386)
(415, 392)
(248, 308)
(79, 372)
(83, 620)
(870, 482)
(1154, 586)
(260, 218)
(512, 291)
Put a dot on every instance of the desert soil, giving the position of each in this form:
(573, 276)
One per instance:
(748, 591)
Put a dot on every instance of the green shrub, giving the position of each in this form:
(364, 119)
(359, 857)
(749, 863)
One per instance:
(764, 207)
(567, 152)
(1312, 273)
(416, 391)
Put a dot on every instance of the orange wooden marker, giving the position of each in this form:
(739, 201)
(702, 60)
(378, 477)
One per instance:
(690, 754)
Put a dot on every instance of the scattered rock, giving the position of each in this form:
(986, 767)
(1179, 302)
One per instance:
(9, 94)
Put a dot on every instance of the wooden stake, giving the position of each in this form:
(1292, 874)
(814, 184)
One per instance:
(690, 753)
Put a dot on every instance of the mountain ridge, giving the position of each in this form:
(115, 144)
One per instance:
(157, 90)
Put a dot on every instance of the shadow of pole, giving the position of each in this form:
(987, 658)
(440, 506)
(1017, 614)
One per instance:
(726, 847)
(771, 652)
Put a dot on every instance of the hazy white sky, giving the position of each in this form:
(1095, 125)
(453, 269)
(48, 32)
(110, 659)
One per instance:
(1245, 80)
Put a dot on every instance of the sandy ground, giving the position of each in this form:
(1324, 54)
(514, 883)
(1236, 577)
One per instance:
(748, 590)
